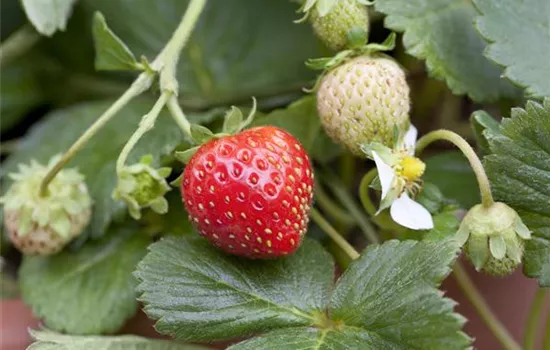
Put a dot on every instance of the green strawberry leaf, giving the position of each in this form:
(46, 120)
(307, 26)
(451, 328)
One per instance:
(232, 120)
(519, 40)
(237, 50)
(442, 33)
(48, 16)
(48, 340)
(452, 174)
(58, 130)
(197, 293)
(301, 120)
(519, 170)
(110, 52)
(482, 121)
(201, 134)
(86, 292)
(342, 338)
(390, 292)
(20, 89)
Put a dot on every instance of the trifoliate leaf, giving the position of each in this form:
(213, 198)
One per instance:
(519, 170)
(54, 134)
(48, 16)
(519, 40)
(302, 121)
(86, 292)
(198, 293)
(452, 174)
(110, 51)
(48, 340)
(390, 292)
(442, 33)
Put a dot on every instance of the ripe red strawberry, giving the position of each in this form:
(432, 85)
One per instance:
(250, 193)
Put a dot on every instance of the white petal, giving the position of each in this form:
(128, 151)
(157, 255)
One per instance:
(409, 141)
(385, 174)
(408, 213)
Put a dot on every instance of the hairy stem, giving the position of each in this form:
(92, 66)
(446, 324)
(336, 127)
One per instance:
(167, 58)
(370, 208)
(179, 116)
(483, 309)
(469, 153)
(333, 234)
(146, 124)
(17, 44)
(535, 313)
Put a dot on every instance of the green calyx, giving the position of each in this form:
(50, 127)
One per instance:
(335, 26)
(142, 186)
(493, 238)
(65, 210)
(234, 122)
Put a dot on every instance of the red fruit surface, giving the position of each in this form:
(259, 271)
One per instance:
(249, 194)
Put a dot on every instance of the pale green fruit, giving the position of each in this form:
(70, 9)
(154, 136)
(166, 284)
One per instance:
(333, 27)
(364, 100)
(43, 225)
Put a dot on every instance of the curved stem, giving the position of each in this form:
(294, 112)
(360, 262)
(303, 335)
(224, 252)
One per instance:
(332, 233)
(370, 208)
(141, 84)
(168, 58)
(179, 116)
(530, 336)
(331, 208)
(483, 309)
(146, 124)
(17, 44)
(349, 203)
(467, 150)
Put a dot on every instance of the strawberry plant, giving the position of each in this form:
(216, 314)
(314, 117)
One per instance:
(300, 174)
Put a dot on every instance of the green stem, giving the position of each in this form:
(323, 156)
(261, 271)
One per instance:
(17, 44)
(349, 203)
(370, 208)
(9, 146)
(146, 124)
(172, 50)
(483, 309)
(179, 116)
(347, 169)
(467, 150)
(141, 84)
(331, 208)
(332, 233)
(530, 336)
(167, 58)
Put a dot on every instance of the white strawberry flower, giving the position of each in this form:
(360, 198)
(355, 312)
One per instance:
(399, 172)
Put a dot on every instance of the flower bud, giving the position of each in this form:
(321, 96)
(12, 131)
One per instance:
(43, 225)
(142, 186)
(493, 238)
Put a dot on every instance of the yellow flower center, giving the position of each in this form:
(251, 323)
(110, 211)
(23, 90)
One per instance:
(411, 168)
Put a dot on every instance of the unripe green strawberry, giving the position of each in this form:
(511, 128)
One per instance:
(493, 238)
(43, 225)
(333, 28)
(363, 101)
